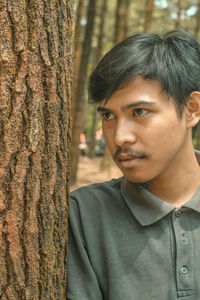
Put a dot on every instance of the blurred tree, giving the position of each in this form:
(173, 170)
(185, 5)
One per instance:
(80, 97)
(98, 56)
(77, 52)
(121, 20)
(35, 92)
(197, 137)
(126, 18)
(106, 161)
(148, 15)
(120, 31)
(197, 26)
(179, 13)
(92, 133)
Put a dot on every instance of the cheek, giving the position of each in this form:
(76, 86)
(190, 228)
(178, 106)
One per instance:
(161, 131)
(167, 138)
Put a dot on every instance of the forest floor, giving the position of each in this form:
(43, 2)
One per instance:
(89, 172)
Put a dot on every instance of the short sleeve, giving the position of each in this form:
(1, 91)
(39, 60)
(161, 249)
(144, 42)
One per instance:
(82, 281)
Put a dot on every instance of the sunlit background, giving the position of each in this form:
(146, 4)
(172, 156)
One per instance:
(100, 24)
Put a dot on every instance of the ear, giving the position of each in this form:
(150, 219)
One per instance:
(192, 109)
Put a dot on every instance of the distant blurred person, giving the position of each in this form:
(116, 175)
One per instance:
(99, 149)
(83, 144)
(137, 237)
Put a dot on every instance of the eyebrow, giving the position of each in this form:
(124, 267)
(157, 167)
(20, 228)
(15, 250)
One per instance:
(131, 105)
(103, 109)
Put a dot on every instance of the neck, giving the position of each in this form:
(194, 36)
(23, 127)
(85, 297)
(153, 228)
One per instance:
(178, 185)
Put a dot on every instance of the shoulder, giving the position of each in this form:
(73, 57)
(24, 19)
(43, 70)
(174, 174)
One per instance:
(95, 189)
(98, 195)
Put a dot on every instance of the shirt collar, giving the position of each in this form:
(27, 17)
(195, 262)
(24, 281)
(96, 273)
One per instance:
(146, 207)
(194, 202)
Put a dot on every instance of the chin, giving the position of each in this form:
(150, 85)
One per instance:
(137, 178)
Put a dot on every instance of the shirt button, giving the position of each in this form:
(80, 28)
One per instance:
(184, 270)
(184, 238)
(178, 213)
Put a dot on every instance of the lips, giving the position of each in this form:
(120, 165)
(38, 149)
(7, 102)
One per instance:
(125, 156)
(127, 160)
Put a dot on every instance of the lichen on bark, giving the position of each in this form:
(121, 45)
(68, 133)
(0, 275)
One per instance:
(36, 39)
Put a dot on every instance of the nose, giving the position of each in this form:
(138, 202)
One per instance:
(124, 133)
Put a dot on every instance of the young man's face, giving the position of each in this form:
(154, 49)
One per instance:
(145, 134)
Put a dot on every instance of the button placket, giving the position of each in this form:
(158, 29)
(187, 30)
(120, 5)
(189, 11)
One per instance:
(184, 269)
(184, 253)
(178, 213)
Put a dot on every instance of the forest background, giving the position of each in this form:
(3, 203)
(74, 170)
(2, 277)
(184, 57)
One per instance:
(99, 25)
(37, 47)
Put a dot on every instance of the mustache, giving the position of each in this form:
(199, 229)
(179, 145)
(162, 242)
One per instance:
(128, 150)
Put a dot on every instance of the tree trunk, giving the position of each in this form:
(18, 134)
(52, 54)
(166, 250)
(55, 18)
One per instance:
(119, 35)
(197, 137)
(121, 20)
(126, 18)
(98, 56)
(178, 20)
(35, 56)
(196, 30)
(105, 164)
(149, 15)
(93, 130)
(80, 98)
(77, 52)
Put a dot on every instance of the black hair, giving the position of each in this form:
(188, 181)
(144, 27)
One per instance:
(173, 59)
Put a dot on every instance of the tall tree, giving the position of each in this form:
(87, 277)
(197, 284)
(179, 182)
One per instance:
(35, 91)
(121, 20)
(197, 26)
(119, 35)
(126, 17)
(99, 52)
(77, 51)
(197, 137)
(178, 19)
(80, 98)
(148, 15)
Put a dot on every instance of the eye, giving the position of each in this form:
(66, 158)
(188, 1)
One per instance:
(140, 112)
(107, 116)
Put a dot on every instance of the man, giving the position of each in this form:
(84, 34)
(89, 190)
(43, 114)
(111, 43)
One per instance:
(138, 237)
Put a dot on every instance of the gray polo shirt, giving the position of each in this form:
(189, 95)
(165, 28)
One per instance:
(127, 244)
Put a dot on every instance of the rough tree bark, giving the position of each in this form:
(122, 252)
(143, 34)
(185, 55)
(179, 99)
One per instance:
(80, 98)
(149, 15)
(35, 91)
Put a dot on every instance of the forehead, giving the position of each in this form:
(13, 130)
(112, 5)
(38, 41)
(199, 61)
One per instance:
(137, 90)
